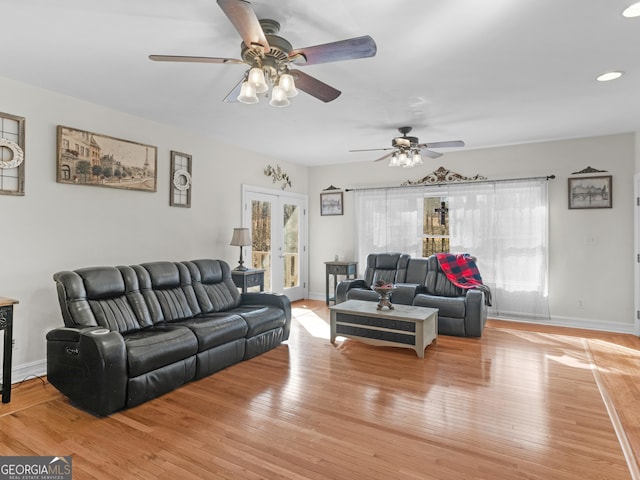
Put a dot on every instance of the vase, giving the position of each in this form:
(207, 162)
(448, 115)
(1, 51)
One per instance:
(384, 301)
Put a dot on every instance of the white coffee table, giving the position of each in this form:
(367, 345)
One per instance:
(405, 326)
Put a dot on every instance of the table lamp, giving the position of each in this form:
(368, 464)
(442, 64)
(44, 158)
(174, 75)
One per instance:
(241, 238)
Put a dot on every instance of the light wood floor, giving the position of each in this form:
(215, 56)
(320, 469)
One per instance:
(522, 402)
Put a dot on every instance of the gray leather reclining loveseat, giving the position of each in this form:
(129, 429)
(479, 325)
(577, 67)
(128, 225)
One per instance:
(462, 312)
(133, 333)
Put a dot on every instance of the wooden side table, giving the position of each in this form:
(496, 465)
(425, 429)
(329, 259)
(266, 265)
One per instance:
(245, 279)
(346, 269)
(6, 324)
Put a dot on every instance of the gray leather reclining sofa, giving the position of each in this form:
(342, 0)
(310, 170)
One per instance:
(421, 282)
(133, 333)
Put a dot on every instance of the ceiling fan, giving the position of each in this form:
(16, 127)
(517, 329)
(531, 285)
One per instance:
(408, 151)
(271, 58)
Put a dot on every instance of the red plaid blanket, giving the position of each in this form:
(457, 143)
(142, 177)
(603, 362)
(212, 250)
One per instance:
(461, 270)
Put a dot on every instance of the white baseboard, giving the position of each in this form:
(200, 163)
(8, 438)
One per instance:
(586, 324)
(28, 370)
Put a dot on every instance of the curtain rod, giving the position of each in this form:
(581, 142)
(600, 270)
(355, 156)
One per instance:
(548, 177)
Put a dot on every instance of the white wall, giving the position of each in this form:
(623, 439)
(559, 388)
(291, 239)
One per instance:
(61, 227)
(591, 251)
(57, 226)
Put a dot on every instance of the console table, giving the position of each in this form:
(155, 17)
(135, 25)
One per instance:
(245, 279)
(346, 269)
(6, 324)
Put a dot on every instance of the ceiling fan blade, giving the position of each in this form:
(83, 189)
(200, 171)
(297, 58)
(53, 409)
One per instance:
(372, 149)
(232, 96)
(452, 143)
(383, 157)
(430, 153)
(359, 47)
(244, 19)
(315, 87)
(182, 58)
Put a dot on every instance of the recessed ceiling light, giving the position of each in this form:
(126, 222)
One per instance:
(632, 11)
(605, 77)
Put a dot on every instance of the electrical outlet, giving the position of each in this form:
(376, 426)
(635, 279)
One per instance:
(580, 303)
(13, 344)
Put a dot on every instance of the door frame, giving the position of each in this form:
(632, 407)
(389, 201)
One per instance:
(304, 225)
(636, 259)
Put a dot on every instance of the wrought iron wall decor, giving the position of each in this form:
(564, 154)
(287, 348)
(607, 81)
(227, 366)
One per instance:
(278, 175)
(442, 175)
(588, 170)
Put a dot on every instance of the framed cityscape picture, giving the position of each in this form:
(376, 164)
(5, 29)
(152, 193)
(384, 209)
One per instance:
(590, 192)
(87, 158)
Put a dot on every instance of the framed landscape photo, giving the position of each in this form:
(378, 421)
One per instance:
(590, 192)
(87, 158)
(331, 203)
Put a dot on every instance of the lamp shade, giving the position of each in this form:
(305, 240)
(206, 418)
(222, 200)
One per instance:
(288, 85)
(278, 97)
(247, 93)
(241, 237)
(256, 78)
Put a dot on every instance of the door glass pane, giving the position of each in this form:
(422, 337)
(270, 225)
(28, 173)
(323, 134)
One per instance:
(261, 239)
(291, 236)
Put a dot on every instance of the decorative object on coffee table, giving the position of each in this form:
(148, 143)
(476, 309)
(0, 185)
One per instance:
(383, 290)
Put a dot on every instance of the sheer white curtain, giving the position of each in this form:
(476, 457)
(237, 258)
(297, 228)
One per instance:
(504, 224)
(388, 220)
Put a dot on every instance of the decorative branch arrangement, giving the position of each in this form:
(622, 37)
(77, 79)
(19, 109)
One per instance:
(278, 176)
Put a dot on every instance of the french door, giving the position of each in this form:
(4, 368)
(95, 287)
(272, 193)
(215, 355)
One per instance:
(277, 221)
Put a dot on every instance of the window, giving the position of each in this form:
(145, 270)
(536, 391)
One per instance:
(504, 224)
(435, 225)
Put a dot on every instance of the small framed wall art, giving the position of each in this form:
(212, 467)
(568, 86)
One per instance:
(331, 203)
(11, 154)
(590, 192)
(180, 177)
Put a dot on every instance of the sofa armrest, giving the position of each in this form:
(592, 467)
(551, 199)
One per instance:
(476, 315)
(344, 286)
(404, 293)
(271, 299)
(89, 365)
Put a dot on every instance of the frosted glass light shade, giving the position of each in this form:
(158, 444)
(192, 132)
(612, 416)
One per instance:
(632, 11)
(256, 78)
(288, 85)
(416, 159)
(247, 93)
(278, 97)
(394, 160)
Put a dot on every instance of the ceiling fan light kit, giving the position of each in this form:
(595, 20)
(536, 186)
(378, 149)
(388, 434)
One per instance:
(408, 151)
(270, 57)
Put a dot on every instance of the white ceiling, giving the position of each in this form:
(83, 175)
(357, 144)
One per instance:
(492, 72)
